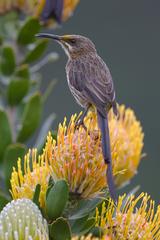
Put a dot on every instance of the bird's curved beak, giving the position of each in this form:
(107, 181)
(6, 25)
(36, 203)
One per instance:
(49, 36)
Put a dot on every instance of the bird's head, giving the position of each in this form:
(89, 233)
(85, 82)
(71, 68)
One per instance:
(74, 45)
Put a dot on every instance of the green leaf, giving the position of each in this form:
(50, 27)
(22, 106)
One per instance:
(60, 230)
(5, 133)
(31, 117)
(12, 153)
(90, 223)
(84, 208)
(36, 52)
(27, 32)
(44, 131)
(36, 194)
(57, 199)
(1, 40)
(82, 226)
(23, 71)
(49, 90)
(19, 85)
(3, 201)
(7, 61)
(17, 90)
(77, 225)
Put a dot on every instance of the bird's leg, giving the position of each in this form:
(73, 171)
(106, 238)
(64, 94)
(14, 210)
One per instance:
(80, 121)
(103, 125)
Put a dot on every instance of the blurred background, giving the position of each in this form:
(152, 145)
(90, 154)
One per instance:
(127, 36)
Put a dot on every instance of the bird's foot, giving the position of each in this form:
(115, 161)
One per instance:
(80, 123)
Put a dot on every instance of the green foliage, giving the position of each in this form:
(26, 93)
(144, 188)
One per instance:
(83, 225)
(3, 200)
(27, 32)
(21, 100)
(36, 195)
(60, 230)
(12, 153)
(31, 117)
(36, 52)
(44, 131)
(84, 208)
(22, 71)
(8, 63)
(17, 89)
(5, 133)
(55, 203)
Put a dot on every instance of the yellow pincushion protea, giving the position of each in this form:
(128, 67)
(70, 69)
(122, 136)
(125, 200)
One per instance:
(129, 222)
(36, 171)
(58, 10)
(77, 158)
(126, 142)
(77, 154)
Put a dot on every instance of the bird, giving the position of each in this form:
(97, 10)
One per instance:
(90, 81)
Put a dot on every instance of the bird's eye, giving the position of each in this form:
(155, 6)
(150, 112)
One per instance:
(72, 41)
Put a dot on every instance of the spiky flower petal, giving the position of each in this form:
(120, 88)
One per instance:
(24, 181)
(21, 219)
(127, 221)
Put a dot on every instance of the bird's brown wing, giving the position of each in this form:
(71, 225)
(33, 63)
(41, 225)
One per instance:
(93, 81)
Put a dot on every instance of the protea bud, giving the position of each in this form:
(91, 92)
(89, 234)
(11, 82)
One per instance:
(21, 219)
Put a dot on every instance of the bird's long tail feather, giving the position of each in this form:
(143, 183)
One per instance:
(103, 125)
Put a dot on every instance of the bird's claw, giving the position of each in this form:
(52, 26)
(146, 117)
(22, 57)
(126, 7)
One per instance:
(80, 123)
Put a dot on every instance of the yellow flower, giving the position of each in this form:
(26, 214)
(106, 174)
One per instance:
(129, 222)
(36, 171)
(77, 157)
(77, 154)
(57, 10)
(126, 142)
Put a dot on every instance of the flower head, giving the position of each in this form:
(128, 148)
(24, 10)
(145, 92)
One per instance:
(77, 154)
(36, 171)
(77, 158)
(45, 10)
(126, 221)
(126, 143)
(21, 219)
